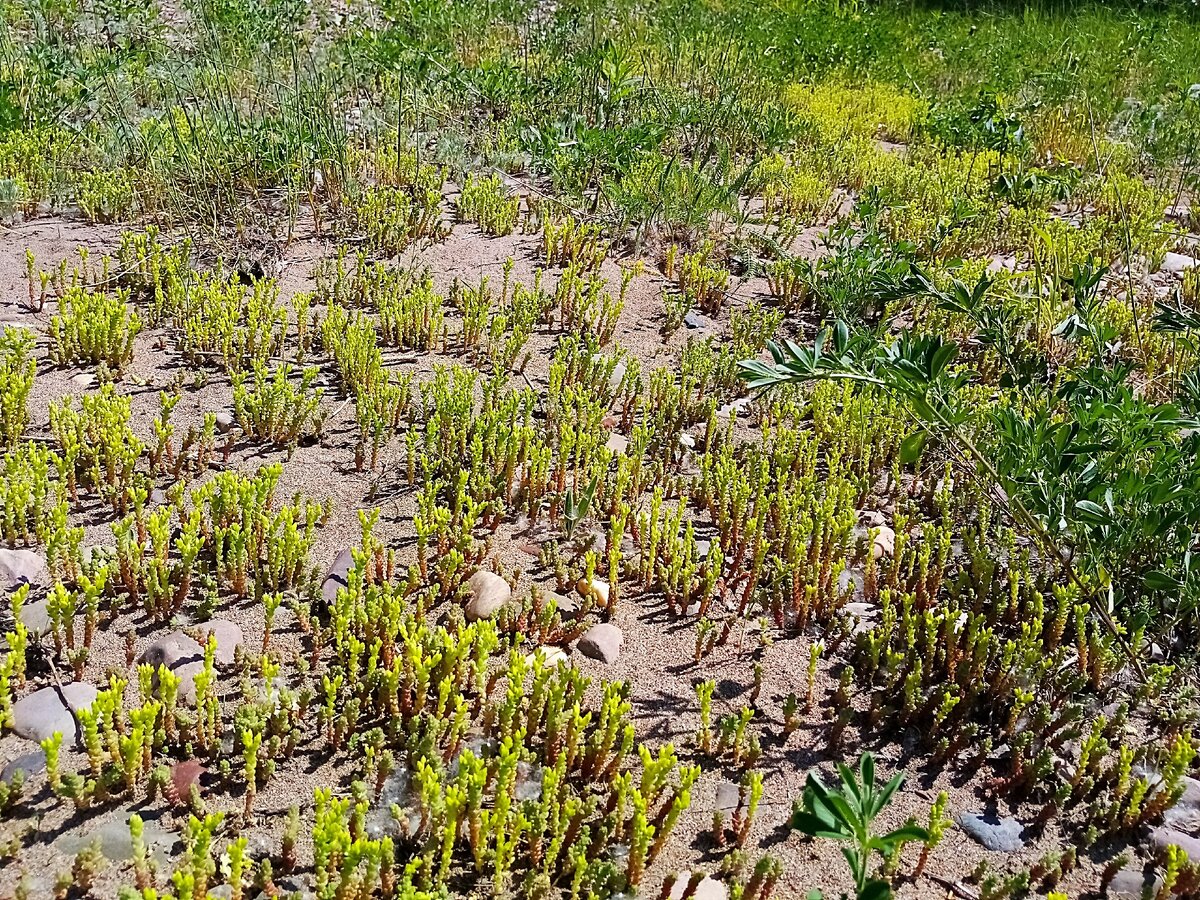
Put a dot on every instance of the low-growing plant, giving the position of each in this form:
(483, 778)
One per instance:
(484, 202)
(275, 410)
(94, 327)
(17, 371)
(847, 812)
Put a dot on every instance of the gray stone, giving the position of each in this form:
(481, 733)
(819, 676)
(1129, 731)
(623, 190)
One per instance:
(489, 594)
(1185, 814)
(95, 554)
(694, 320)
(40, 714)
(567, 607)
(1130, 884)
(992, 831)
(79, 694)
(1162, 836)
(158, 497)
(617, 443)
(708, 889)
(31, 763)
(229, 638)
(18, 567)
(225, 421)
(172, 650)
(36, 616)
(337, 576)
(1177, 262)
(115, 841)
(187, 673)
(83, 379)
(728, 796)
(602, 642)
(847, 580)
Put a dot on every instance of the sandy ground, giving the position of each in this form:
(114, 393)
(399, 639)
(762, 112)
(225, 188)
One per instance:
(658, 649)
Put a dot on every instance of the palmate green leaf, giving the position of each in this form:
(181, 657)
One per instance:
(818, 803)
(888, 789)
(1092, 512)
(839, 810)
(902, 835)
(814, 826)
(941, 358)
(758, 374)
(850, 786)
(866, 769)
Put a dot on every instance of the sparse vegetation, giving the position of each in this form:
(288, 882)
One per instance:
(512, 449)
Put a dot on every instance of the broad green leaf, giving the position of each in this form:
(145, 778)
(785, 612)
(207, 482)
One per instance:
(911, 447)
(1161, 581)
(875, 890)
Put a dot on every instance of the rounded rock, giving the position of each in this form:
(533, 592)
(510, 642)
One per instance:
(617, 376)
(1130, 884)
(617, 444)
(729, 797)
(992, 831)
(566, 607)
(40, 714)
(80, 695)
(489, 594)
(1163, 836)
(18, 567)
(35, 615)
(707, 888)
(884, 542)
(550, 656)
(29, 764)
(172, 650)
(597, 590)
(602, 642)
(1185, 814)
(229, 638)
